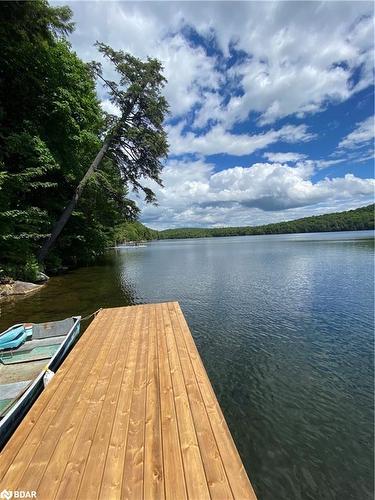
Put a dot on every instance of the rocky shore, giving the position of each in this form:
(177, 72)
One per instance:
(18, 288)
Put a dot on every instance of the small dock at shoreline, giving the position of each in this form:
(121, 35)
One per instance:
(131, 414)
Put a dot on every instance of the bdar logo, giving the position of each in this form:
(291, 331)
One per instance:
(6, 494)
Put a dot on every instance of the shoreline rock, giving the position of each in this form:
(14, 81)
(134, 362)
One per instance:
(18, 288)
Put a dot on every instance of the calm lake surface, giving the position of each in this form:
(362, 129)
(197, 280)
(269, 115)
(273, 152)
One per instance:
(284, 325)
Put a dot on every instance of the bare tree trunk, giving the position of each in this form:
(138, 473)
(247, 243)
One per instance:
(60, 224)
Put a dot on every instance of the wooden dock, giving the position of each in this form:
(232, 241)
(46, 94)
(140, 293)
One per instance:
(130, 414)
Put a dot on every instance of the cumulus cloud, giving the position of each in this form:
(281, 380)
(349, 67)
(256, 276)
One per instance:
(143, 31)
(194, 194)
(218, 140)
(299, 58)
(189, 71)
(237, 67)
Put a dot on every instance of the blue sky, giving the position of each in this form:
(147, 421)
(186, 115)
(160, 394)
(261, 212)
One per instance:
(272, 104)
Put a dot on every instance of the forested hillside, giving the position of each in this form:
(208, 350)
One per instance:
(352, 220)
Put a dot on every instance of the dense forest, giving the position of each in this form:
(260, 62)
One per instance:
(352, 220)
(52, 128)
(133, 231)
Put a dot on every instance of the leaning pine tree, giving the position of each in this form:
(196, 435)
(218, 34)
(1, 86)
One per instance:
(136, 141)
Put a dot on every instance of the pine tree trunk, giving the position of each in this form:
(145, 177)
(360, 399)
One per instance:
(60, 224)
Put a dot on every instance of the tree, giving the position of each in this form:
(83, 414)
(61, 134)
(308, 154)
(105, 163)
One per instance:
(133, 231)
(30, 37)
(52, 126)
(136, 142)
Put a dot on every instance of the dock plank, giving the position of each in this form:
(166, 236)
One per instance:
(153, 486)
(113, 470)
(132, 478)
(130, 414)
(55, 445)
(215, 472)
(174, 478)
(191, 454)
(92, 477)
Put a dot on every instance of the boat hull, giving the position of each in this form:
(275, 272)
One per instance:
(18, 410)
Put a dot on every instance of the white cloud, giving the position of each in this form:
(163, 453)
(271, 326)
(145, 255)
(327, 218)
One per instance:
(188, 71)
(267, 60)
(218, 140)
(141, 30)
(362, 135)
(299, 57)
(284, 157)
(193, 194)
(211, 110)
(110, 108)
(320, 164)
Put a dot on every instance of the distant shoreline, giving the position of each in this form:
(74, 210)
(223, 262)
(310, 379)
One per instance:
(266, 234)
(360, 219)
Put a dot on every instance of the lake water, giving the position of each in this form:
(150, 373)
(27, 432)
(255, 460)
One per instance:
(284, 325)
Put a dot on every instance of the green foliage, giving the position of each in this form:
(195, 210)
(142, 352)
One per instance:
(51, 130)
(352, 220)
(133, 231)
(138, 141)
(25, 271)
(50, 120)
(31, 269)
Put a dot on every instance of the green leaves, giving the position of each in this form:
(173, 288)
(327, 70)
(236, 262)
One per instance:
(133, 231)
(52, 127)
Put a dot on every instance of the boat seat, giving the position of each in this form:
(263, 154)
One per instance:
(11, 391)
